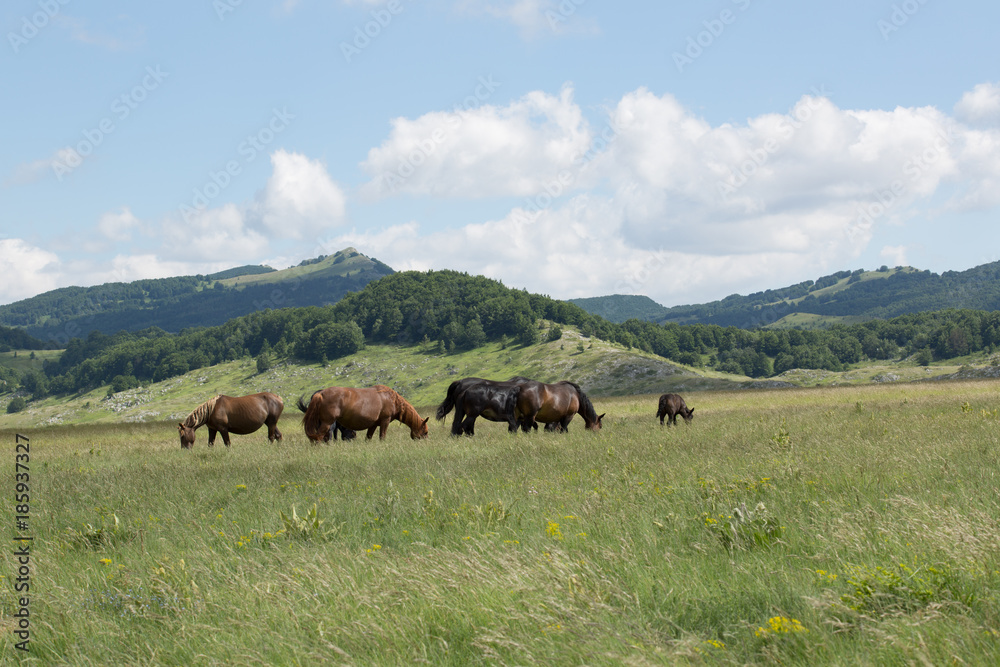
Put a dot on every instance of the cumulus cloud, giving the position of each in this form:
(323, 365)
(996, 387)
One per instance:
(695, 208)
(300, 199)
(981, 105)
(210, 235)
(27, 270)
(480, 152)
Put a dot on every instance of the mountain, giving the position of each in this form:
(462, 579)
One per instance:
(620, 307)
(844, 297)
(173, 304)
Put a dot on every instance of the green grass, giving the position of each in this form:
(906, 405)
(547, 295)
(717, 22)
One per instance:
(871, 536)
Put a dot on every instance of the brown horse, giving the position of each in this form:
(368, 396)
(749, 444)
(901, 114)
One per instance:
(672, 405)
(233, 414)
(554, 405)
(359, 409)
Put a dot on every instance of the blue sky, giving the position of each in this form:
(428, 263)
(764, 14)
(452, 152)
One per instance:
(681, 150)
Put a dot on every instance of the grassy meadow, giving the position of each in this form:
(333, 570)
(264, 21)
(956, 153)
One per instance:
(832, 525)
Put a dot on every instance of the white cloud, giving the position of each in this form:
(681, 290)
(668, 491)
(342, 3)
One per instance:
(696, 209)
(118, 226)
(981, 105)
(215, 234)
(532, 17)
(36, 170)
(300, 199)
(482, 152)
(27, 270)
(894, 255)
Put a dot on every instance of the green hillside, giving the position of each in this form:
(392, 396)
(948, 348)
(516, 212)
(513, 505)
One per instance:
(177, 303)
(845, 297)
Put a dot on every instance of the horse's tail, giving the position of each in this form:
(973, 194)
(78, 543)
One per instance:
(449, 401)
(510, 404)
(310, 417)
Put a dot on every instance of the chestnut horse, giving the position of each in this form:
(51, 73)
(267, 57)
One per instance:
(359, 409)
(554, 404)
(233, 414)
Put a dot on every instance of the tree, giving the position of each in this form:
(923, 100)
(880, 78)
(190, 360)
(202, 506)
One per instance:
(16, 405)
(555, 333)
(263, 362)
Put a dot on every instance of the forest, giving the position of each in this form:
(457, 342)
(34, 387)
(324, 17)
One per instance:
(450, 311)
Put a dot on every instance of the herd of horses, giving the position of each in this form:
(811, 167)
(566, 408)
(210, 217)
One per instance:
(343, 411)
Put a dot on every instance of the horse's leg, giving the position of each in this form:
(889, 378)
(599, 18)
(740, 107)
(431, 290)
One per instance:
(383, 428)
(211, 436)
(458, 423)
(225, 436)
(371, 432)
(512, 424)
(469, 425)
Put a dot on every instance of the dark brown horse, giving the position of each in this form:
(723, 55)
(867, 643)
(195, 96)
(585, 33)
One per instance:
(233, 414)
(554, 404)
(672, 405)
(357, 410)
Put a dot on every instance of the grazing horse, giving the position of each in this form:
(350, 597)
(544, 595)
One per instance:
(475, 397)
(233, 414)
(672, 405)
(554, 404)
(357, 410)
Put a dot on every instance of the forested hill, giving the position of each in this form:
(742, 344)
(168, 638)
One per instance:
(446, 311)
(846, 296)
(172, 304)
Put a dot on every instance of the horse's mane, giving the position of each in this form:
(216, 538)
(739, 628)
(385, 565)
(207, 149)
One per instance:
(586, 410)
(200, 414)
(405, 412)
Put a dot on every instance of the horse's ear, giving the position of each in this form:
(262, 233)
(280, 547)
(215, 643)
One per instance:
(426, 420)
(601, 416)
(180, 426)
(691, 411)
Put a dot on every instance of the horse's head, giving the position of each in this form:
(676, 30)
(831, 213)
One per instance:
(688, 416)
(187, 435)
(596, 424)
(420, 431)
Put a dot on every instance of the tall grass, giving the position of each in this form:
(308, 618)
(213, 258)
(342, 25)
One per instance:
(851, 525)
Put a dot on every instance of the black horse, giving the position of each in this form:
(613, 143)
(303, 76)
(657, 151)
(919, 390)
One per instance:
(476, 397)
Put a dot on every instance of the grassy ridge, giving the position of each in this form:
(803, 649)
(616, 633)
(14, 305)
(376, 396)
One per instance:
(870, 536)
(419, 373)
